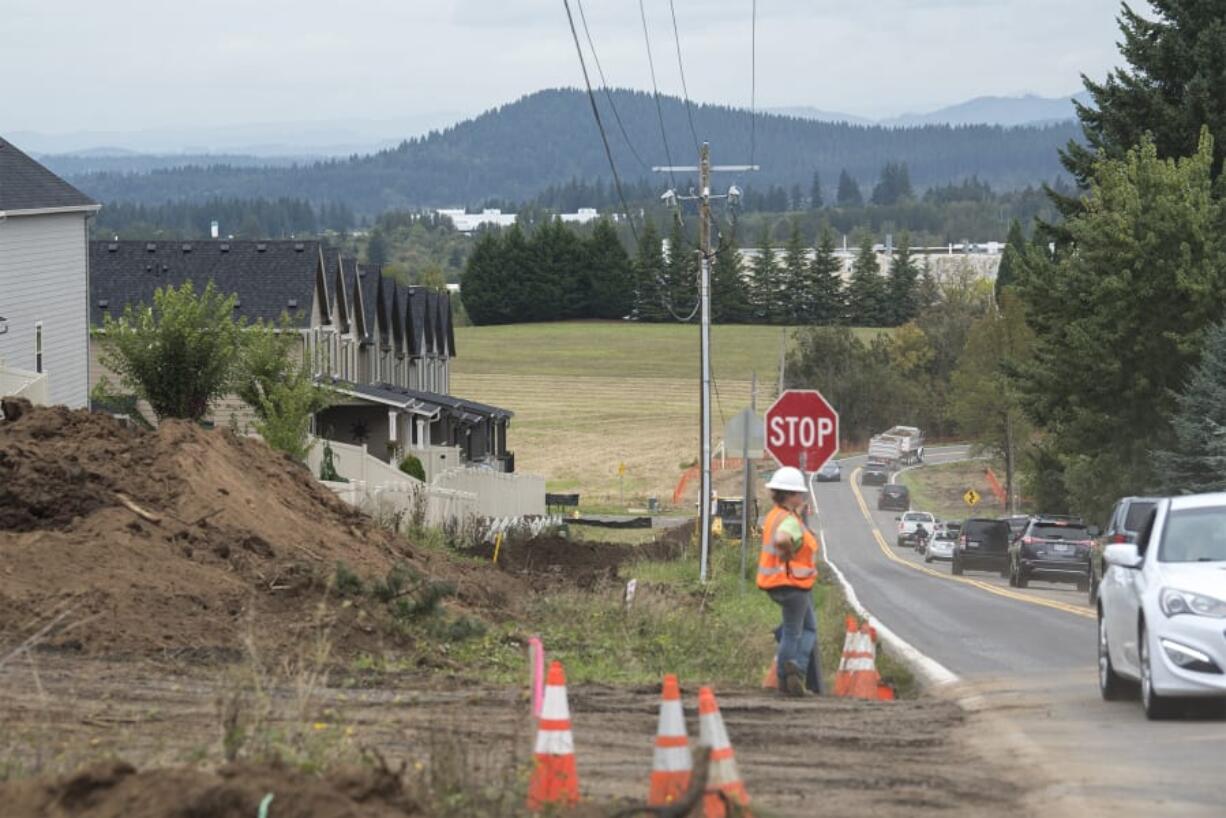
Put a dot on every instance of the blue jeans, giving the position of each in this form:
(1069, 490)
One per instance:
(798, 633)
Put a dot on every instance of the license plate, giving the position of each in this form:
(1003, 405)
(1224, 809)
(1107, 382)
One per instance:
(1063, 548)
(972, 544)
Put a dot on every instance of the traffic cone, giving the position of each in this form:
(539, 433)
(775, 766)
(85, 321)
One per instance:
(771, 680)
(842, 677)
(722, 775)
(864, 678)
(886, 692)
(671, 763)
(554, 778)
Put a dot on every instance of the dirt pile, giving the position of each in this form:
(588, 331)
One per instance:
(116, 790)
(185, 541)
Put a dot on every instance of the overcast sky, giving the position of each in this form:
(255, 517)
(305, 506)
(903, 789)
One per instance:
(73, 65)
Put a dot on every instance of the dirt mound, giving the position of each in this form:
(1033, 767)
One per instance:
(116, 790)
(184, 540)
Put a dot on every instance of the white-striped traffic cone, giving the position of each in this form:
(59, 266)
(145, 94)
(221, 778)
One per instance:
(554, 777)
(722, 775)
(671, 763)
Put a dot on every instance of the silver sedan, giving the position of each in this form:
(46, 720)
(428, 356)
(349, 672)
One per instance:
(941, 546)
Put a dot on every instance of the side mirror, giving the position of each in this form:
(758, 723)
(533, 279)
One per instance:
(1122, 554)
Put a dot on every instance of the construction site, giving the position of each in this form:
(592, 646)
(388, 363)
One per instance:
(191, 625)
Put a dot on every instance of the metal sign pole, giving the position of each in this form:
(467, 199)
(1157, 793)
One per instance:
(746, 494)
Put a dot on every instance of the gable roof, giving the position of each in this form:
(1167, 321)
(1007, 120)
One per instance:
(269, 277)
(27, 185)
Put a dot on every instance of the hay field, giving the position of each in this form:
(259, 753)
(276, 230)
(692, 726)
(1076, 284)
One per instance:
(590, 395)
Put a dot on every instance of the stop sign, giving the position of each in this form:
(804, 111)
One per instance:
(802, 429)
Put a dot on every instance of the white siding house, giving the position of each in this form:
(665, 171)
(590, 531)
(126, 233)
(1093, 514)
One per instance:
(44, 283)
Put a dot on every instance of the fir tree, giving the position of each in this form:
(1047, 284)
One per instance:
(795, 306)
(483, 283)
(649, 276)
(866, 291)
(729, 295)
(611, 275)
(928, 295)
(764, 292)
(825, 283)
(849, 192)
(1010, 258)
(561, 286)
(1196, 461)
(798, 200)
(815, 192)
(894, 186)
(903, 289)
(681, 271)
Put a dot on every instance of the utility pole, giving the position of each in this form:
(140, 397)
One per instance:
(746, 495)
(704, 197)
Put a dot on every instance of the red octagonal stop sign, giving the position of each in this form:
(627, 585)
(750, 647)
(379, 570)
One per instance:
(802, 429)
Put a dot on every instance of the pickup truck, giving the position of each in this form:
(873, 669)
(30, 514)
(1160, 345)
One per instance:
(910, 522)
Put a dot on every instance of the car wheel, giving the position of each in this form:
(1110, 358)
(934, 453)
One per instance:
(1110, 684)
(1156, 706)
(956, 568)
(927, 558)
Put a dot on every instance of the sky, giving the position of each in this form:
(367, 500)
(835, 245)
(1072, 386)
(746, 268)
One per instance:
(125, 65)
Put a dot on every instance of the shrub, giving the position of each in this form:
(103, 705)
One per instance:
(411, 465)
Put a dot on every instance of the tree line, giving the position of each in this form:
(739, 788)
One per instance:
(242, 218)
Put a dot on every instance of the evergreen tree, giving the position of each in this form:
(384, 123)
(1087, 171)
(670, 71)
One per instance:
(894, 186)
(764, 292)
(729, 295)
(562, 289)
(611, 274)
(1010, 258)
(815, 192)
(1175, 84)
(525, 292)
(1196, 460)
(849, 192)
(928, 295)
(795, 306)
(376, 248)
(798, 200)
(482, 285)
(681, 271)
(825, 283)
(649, 276)
(903, 290)
(867, 304)
(1120, 317)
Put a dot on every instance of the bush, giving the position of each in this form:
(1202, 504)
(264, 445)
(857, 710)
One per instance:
(411, 465)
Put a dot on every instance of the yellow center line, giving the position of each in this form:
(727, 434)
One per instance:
(1008, 593)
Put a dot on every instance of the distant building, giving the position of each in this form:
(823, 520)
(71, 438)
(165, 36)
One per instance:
(44, 283)
(585, 215)
(466, 222)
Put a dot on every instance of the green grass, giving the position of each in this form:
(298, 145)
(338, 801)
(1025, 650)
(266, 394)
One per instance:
(720, 633)
(939, 489)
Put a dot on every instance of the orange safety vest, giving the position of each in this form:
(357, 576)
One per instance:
(774, 571)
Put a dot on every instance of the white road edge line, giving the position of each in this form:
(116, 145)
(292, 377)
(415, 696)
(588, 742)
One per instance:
(932, 673)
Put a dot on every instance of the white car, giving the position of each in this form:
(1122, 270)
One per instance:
(1162, 607)
(941, 546)
(910, 522)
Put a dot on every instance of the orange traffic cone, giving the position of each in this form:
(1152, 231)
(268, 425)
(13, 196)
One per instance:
(672, 763)
(771, 680)
(842, 677)
(723, 776)
(864, 678)
(554, 778)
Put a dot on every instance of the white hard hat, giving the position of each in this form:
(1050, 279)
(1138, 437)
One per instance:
(788, 478)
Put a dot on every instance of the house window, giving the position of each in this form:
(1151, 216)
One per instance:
(38, 347)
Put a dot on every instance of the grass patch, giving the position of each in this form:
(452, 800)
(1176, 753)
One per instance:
(939, 489)
(720, 633)
(590, 395)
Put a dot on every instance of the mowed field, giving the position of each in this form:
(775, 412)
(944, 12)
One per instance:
(589, 396)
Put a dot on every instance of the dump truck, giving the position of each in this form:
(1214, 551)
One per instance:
(900, 446)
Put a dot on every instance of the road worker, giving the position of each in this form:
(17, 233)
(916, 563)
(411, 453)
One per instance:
(787, 569)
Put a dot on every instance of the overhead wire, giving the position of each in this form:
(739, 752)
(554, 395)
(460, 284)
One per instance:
(655, 90)
(605, 85)
(753, 82)
(685, 92)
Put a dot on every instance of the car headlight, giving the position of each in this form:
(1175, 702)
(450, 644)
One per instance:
(1189, 658)
(1175, 602)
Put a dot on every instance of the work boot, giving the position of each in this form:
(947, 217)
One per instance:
(793, 679)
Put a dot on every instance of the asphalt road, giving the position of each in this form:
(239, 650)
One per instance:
(1030, 655)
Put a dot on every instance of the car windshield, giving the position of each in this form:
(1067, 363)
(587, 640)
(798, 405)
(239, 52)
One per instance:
(1137, 512)
(916, 517)
(1060, 532)
(1194, 535)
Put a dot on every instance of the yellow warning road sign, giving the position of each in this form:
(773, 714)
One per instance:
(971, 497)
(621, 470)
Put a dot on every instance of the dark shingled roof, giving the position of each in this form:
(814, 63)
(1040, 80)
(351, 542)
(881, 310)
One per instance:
(27, 185)
(266, 280)
(466, 410)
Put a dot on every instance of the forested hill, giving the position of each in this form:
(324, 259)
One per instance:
(548, 138)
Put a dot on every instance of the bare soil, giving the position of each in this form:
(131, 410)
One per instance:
(129, 542)
(798, 758)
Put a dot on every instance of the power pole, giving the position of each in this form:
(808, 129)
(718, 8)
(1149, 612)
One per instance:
(704, 197)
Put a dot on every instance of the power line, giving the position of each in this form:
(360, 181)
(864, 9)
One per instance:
(605, 84)
(753, 82)
(681, 67)
(655, 89)
(604, 137)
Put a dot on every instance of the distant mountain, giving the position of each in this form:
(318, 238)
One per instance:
(549, 138)
(1007, 111)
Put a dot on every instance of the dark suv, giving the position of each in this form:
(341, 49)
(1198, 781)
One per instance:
(1127, 520)
(1056, 549)
(983, 545)
(894, 496)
